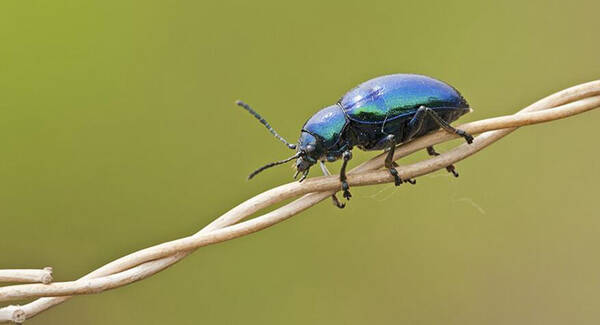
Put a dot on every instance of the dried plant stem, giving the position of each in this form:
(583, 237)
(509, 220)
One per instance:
(146, 262)
(27, 275)
(14, 314)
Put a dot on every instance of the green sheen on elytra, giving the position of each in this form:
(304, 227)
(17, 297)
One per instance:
(394, 96)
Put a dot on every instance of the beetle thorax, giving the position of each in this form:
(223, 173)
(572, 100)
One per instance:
(322, 133)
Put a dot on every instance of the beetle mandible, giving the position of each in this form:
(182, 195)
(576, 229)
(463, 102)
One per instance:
(378, 114)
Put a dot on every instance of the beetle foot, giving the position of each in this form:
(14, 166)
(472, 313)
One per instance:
(347, 195)
(410, 180)
(345, 189)
(397, 179)
(337, 202)
(452, 169)
(469, 138)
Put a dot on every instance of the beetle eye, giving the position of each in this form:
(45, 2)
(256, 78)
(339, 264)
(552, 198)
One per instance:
(310, 148)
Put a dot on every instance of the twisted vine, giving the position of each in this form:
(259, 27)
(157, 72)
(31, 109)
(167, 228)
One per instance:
(146, 262)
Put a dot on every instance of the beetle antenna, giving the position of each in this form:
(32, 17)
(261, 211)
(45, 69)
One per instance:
(269, 165)
(265, 123)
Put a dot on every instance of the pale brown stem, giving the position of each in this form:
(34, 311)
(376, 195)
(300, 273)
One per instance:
(151, 260)
(27, 275)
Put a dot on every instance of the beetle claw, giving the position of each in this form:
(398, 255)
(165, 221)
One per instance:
(469, 138)
(345, 189)
(337, 202)
(397, 180)
(347, 195)
(452, 169)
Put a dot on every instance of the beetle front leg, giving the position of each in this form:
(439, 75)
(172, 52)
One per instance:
(334, 198)
(347, 155)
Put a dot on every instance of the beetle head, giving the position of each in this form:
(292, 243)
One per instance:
(310, 151)
(311, 146)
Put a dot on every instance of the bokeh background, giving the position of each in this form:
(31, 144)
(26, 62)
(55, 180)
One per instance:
(118, 131)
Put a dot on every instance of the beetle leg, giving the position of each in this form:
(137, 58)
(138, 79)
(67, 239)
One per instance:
(444, 125)
(389, 162)
(412, 181)
(334, 198)
(450, 168)
(415, 124)
(304, 175)
(347, 155)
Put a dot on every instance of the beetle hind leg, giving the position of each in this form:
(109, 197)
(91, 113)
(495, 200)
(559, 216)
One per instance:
(450, 168)
(447, 127)
(415, 124)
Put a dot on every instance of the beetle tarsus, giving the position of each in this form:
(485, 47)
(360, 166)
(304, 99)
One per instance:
(469, 138)
(411, 181)
(431, 151)
(397, 180)
(345, 189)
(337, 202)
(450, 168)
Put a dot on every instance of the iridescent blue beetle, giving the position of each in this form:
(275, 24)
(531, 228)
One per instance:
(377, 115)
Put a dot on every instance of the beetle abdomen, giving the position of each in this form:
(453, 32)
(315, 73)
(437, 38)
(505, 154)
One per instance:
(393, 96)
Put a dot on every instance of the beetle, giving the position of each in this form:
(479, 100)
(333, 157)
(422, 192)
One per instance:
(378, 114)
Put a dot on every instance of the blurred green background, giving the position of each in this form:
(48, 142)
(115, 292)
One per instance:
(118, 131)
